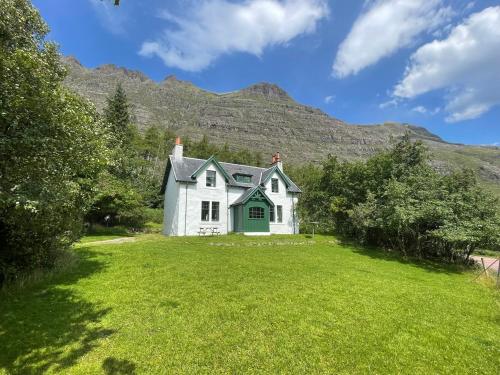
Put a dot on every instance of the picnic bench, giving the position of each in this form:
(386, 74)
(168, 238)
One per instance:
(212, 231)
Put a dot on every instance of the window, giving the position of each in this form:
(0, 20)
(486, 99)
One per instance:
(211, 178)
(243, 178)
(256, 213)
(271, 214)
(274, 185)
(279, 210)
(205, 208)
(215, 211)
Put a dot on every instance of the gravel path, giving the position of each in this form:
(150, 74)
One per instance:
(115, 241)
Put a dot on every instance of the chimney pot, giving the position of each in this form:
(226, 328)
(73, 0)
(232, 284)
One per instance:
(277, 160)
(178, 149)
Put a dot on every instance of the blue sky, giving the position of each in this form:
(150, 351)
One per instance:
(434, 63)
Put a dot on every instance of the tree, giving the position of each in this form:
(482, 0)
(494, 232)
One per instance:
(52, 146)
(396, 200)
(117, 115)
(118, 199)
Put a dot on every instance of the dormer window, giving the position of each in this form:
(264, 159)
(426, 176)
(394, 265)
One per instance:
(274, 185)
(211, 178)
(245, 178)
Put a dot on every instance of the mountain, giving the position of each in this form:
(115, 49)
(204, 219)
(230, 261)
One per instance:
(264, 117)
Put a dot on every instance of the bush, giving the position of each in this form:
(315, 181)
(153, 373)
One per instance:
(396, 200)
(52, 147)
(154, 215)
(117, 203)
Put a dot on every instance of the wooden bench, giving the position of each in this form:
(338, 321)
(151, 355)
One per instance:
(213, 231)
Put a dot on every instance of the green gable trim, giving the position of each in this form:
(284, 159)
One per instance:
(280, 172)
(256, 193)
(253, 199)
(210, 160)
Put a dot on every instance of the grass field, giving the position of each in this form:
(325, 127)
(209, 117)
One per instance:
(234, 304)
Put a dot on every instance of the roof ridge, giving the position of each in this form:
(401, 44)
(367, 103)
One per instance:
(225, 162)
(243, 165)
(189, 157)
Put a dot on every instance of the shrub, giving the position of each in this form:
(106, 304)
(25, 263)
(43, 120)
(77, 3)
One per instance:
(52, 146)
(396, 200)
(117, 203)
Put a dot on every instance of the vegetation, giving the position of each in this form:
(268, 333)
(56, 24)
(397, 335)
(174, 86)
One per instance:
(132, 181)
(397, 200)
(61, 163)
(51, 150)
(266, 119)
(235, 304)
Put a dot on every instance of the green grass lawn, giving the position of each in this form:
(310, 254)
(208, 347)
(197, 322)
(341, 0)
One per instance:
(234, 304)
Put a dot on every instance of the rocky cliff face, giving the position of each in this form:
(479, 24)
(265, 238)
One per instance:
(264, 117)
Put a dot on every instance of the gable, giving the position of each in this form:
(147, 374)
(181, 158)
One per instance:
(282, 183)
(215, 164)
(186, 170)
(275, 172)
(256, 193)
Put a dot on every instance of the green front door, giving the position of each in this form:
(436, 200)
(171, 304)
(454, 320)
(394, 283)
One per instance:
(256, 216)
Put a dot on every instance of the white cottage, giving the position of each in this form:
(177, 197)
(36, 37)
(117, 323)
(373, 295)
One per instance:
(208, 196)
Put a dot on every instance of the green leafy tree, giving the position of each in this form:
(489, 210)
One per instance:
(118, 194)
(52, 146)
(396, 200)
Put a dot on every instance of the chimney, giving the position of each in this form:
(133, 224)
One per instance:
(178, 148)
(277, 161)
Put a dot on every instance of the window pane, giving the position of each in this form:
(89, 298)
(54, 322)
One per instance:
(215, 211)
(280, 214)
(242, 178)
(211, 178)
(205, 210)
(274, 185)
(256, 213)
(271, 214)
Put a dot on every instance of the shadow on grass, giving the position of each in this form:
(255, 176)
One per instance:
(113, 366)
(48, 325)
(381, 254)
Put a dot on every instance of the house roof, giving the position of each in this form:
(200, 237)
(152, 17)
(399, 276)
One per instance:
(186, 169)
(207, 162)
(249, 193)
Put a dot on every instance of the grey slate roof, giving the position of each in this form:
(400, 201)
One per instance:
(185, 167)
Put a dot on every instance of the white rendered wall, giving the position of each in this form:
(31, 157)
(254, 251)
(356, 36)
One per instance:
(288, 201)
(198, 192)
(183, 216)
(171, 206)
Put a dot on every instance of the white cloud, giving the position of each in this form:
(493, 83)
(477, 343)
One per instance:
(384, 27)
(467, 63)
(111, 17)
(420, 109)
(389, 103)
(217, 27)
(329, 99)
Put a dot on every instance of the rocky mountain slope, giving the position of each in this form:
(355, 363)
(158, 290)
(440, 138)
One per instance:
(264, 117)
